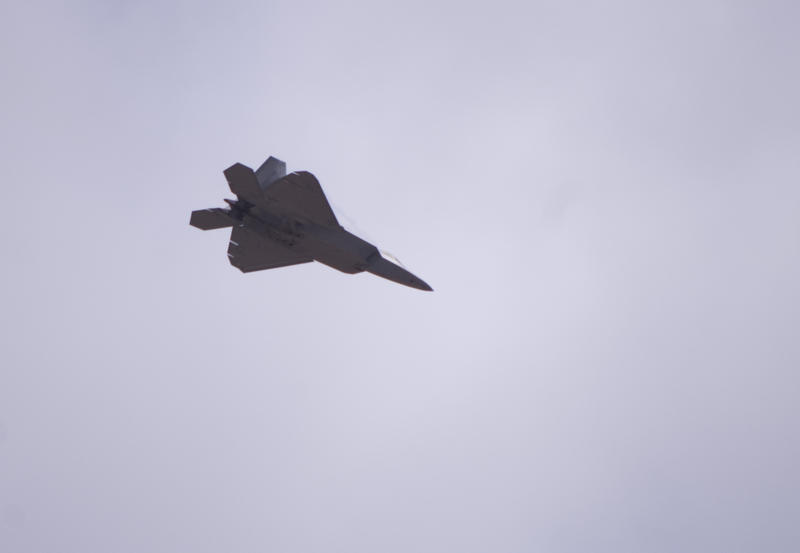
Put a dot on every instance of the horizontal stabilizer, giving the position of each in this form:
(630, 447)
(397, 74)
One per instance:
(242, 181)
(208, 219)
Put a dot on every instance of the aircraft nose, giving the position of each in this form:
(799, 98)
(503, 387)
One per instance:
(384, 268)
(422, 285)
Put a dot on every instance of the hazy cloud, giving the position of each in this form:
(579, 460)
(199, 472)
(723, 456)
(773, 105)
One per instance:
(604, 197)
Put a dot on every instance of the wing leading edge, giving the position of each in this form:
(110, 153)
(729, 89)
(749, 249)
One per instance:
(299, 193)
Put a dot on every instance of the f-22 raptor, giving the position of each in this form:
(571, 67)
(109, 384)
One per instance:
(281, 220)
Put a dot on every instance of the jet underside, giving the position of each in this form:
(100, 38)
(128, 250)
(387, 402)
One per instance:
(279, 220)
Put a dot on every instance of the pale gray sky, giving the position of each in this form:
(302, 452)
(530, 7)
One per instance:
(604, 195)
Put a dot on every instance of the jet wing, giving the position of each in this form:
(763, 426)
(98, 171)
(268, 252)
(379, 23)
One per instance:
(248, 252)
(300, 194)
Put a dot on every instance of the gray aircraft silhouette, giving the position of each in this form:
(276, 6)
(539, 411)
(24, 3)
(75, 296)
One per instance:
(281, 220)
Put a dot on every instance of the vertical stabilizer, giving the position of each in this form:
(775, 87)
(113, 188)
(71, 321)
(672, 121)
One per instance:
(270, 171)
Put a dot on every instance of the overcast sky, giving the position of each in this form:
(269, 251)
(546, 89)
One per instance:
(604, 195)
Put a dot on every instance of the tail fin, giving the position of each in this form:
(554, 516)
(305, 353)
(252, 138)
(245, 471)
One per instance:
(242, 182)
(270, 171)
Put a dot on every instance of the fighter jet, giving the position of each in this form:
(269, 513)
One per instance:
(280, 220)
